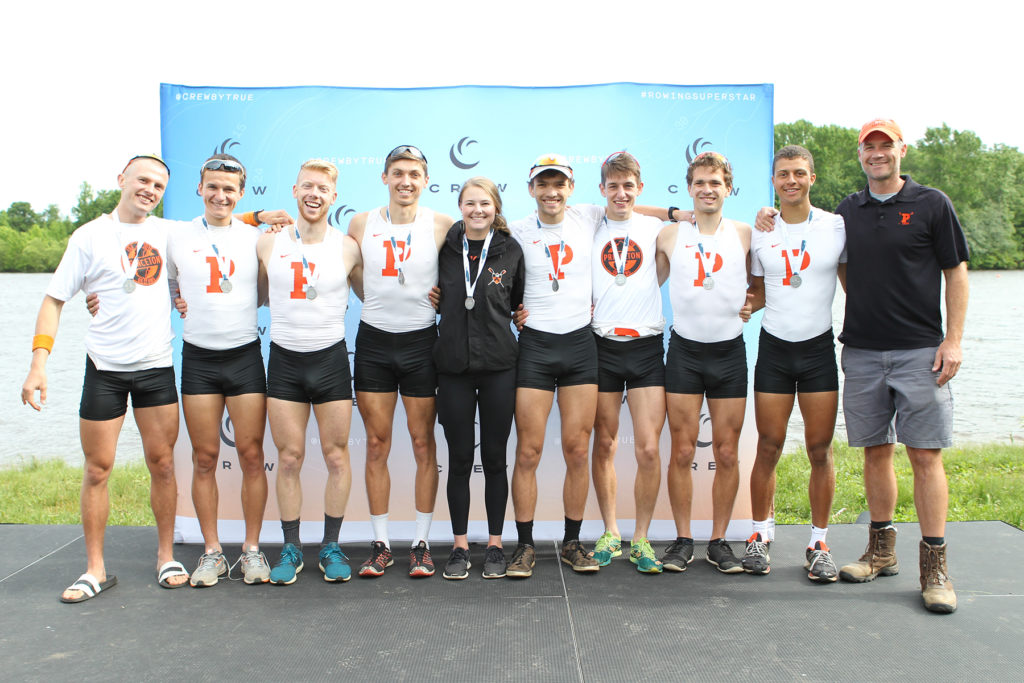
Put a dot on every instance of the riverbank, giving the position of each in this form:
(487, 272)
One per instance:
(986, 482)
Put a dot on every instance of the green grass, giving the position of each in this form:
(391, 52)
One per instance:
(986, 482)
(47, 492)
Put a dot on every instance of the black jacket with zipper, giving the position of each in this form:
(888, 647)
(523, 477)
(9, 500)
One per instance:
(481, 339)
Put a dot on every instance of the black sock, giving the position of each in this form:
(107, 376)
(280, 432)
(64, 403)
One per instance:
(332, 528)
(684, 539)
(572, 530)
(880, 525)
(934, 540)
(525, 531)
(291, 532)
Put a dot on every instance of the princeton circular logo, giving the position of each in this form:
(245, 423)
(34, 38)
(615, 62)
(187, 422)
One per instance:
(150, 263)
(634, 257)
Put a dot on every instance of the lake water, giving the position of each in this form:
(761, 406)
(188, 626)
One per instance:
(989, 390)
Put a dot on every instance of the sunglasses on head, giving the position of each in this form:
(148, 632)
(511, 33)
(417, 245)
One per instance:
(407, 150)
(223, 165)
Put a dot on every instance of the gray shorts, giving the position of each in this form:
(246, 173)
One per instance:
(883, 384)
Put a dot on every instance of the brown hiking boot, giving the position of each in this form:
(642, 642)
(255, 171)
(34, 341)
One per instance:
(576, 556)
(936, 586)
(878, 560)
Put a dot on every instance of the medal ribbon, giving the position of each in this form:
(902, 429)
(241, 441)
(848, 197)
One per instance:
(223, 260)
(399, 256)
(471, 286)
(547, 252)
(307, 272)
(797, 267)
(620, 258)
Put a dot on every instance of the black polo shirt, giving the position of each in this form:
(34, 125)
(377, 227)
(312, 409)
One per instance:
(896, 252)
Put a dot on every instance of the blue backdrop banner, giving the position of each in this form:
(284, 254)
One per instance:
(495, 131)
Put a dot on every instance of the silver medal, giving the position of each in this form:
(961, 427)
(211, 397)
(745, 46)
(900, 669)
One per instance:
(620, 279)
(401, 278)
(225, 285)
(796, 280)
(708, 283)
(470, 303)
(554, 284)
(310, 292)
(128, 286)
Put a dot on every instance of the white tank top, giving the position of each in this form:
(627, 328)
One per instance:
(632, 309)
(569, 246)
(812, 251)
(298, 323)
(388, 304)
(700, 313)
(200, 258)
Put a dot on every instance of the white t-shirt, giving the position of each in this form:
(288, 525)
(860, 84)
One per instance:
(199, 258)
(298, 323)
(632, 309)
(699, 313)
(388, 304)
(132, 330)
(568, 308)
(802, 312)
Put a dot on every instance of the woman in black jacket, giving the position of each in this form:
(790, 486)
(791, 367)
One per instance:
(480, 276)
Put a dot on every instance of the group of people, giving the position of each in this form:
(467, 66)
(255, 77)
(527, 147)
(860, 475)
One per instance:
(582, 284)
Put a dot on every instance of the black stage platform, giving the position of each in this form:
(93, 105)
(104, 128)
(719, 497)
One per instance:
(616, 625)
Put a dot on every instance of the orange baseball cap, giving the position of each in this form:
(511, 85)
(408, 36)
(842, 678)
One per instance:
(887, 126)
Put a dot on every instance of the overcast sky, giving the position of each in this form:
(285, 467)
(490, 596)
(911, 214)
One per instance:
(81, 80)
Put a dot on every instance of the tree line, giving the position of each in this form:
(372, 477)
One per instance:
(986, 184)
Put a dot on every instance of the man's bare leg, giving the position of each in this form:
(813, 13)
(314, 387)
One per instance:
(647, 409)
(248, 414)
(726, 422)
(421, 414)
(684, 426)
(334, 419)
(158, 427)
(576, 406)
(202, 417)
(606, 441)
(378, 414)
(532, 409)
(99, 444)
(288, 421)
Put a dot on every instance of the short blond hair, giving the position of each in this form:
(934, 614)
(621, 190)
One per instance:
(323, 166)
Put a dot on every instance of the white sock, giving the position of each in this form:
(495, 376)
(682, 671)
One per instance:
(771, 529)
(423, 520)
(817, 535)
(380, 528)
(761, 527)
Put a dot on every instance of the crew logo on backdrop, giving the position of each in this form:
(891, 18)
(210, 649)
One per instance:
(280, 128)
(336, 218)
(225, 147)
(457, 153)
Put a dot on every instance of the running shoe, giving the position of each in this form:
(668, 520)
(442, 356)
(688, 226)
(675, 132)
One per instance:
(720, 555)
(255, 568)
(421, 564)
(458, 565)
(334, 563)
(677, 556)
(607, 547)
(380, 559)
(288, 567)
(576, 556)
(494, 562)
(523, 560)
(756, 559)
(819, 565)
(212, 566)
(642, 555)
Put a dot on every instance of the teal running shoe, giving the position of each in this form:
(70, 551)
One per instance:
(607, 547)
(642, 555)
(334, 563)
(288, 567)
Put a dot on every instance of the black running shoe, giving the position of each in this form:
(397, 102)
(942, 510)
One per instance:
(494, 563)
(458, 564)
(720, 555)
(677, 556)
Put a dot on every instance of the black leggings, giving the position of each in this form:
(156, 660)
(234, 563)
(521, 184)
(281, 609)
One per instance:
(457, 399)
